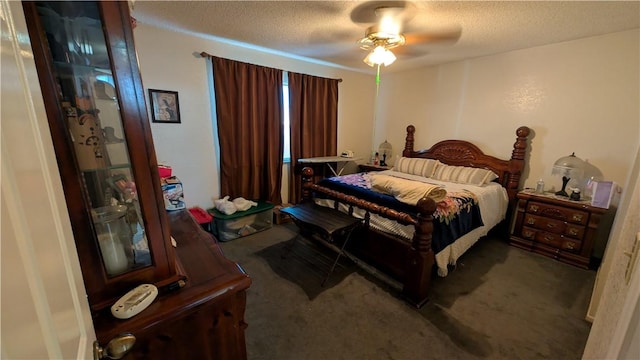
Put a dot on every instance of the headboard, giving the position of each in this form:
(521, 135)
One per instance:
(464, 153)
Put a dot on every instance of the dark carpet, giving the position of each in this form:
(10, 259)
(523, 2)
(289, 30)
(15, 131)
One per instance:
(307, 265)
(499, 302)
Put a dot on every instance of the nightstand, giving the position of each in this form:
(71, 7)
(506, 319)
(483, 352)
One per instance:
(371, 167)
(560, 228)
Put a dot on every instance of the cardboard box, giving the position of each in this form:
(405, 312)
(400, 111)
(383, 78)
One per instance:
(172, 193)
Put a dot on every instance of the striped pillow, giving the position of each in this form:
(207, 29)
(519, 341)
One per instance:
(416, 166)
(464, 175)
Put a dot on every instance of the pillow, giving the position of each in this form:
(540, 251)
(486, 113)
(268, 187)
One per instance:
(464, 175)
(415, 166)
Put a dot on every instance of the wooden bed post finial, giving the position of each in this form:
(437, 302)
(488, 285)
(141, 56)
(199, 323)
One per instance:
(408, 141)
(517, 162)
(520, 146)
(307, 182)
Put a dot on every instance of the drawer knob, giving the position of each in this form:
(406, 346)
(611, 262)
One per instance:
(573, 231)
(534, 208)
(551, 225)
(577, 217)
(531, 221)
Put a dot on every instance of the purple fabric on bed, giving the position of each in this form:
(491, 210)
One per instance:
(455, 216)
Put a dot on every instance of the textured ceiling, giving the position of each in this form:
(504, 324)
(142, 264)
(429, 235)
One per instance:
(328, 30)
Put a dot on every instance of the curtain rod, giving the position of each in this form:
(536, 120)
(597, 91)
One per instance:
(205, 54)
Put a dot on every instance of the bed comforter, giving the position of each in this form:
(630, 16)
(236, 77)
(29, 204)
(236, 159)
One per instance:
(457, 212)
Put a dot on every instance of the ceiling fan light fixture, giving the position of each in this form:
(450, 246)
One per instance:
(376, 34)
(380, 56)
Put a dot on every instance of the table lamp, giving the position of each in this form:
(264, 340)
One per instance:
(386, 151)
(569, 167)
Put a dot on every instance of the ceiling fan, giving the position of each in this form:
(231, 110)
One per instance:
(389, 17)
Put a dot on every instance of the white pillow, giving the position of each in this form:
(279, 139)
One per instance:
(464, 175)
(416, 166)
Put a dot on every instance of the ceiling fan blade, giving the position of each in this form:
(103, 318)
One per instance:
(404, 52)
(426, 38)
(369, 12)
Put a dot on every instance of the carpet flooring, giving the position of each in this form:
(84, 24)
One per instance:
(499, 302)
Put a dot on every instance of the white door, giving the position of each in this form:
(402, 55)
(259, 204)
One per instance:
(44, 308)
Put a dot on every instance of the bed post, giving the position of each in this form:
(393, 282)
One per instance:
(408, 141)
(307, 182)
(420, 258)
(517, 161)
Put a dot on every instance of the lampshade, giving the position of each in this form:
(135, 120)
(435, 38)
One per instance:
(569, 167)
(386, 149)
(379, 56)
(386, 152)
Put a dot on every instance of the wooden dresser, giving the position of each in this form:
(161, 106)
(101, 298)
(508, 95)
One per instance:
(202, 320)
(560, 228)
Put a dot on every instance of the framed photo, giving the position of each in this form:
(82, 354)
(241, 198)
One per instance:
(164, 106)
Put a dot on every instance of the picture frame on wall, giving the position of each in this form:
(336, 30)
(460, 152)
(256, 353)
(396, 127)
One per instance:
(165, 107)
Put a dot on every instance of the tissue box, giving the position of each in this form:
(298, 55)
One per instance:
(242, 223)
(172, 193)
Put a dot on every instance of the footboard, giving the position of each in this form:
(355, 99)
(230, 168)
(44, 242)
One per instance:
(416, 267)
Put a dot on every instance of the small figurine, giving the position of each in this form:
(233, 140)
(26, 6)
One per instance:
(376, 159)
(575, 194)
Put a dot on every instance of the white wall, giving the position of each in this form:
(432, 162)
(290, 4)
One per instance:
(578, 96)
(169, 61)
(611, 290)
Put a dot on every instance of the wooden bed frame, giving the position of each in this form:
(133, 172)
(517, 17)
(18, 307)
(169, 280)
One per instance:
(412, 263)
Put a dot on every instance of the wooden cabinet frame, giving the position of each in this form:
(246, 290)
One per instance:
(101, 288)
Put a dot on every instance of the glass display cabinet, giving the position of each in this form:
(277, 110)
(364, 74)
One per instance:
(96, 109)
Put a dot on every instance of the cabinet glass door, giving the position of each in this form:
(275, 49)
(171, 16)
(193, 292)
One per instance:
(88, 97)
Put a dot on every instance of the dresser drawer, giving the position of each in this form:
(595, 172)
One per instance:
(528, 233)
(558, 241)
(575, 231)
(557, 212)
(554, 226)
(543, 223)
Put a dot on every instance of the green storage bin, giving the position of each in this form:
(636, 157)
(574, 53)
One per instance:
(242, 223)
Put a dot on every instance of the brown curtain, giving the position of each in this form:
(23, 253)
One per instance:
(313, 117)
(250, 128)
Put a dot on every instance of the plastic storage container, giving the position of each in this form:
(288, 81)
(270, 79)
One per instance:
(242, 223)
(202, 217)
